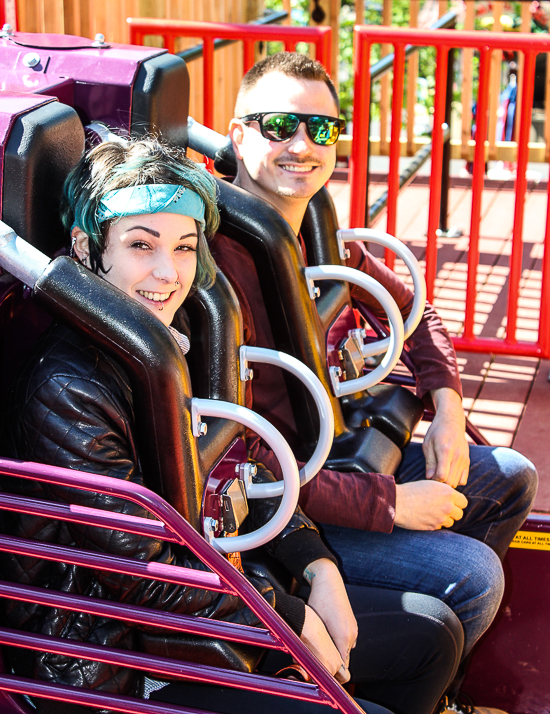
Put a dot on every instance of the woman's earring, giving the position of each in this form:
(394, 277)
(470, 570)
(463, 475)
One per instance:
(71, 251)
(177, 283)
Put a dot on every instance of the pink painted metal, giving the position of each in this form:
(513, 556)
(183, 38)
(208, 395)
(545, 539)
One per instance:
(223, 577)
(443, 40)
(161, 666)
(170, 30)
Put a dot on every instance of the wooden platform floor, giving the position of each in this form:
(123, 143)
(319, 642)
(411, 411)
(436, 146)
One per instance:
(508, 398)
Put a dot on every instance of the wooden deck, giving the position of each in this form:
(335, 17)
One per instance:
(508, 398)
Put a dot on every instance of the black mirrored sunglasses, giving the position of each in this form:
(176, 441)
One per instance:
(281, 126)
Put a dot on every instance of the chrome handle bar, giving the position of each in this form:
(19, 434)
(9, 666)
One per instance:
(400, 249)
(322, 402)
(290, 486)
(395, 340)
(20, 258)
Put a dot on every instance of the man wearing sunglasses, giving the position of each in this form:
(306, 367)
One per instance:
(284, 133)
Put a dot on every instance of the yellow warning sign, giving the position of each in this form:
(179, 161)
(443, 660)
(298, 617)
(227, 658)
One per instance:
(531, 540)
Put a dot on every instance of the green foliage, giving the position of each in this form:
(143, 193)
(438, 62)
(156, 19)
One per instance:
(373, 16)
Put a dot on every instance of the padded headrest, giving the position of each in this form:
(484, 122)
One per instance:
(41, 148)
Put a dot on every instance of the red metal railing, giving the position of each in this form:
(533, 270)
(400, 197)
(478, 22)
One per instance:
(443, 41)
(170, 30)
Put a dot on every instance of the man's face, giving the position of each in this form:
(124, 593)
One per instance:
(293, 169)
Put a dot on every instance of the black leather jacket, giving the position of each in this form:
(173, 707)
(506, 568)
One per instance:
(72, 407)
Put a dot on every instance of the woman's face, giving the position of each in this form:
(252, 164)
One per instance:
(153, 258)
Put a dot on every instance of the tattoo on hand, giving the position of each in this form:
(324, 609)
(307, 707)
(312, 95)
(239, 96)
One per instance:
(309, 575)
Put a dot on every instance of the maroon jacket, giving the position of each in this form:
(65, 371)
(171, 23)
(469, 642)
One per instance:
(368, 499)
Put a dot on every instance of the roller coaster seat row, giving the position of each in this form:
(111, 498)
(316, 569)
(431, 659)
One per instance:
(60, 92)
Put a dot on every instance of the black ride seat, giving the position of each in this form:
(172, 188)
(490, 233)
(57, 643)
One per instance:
(45, 142)
(300, 330)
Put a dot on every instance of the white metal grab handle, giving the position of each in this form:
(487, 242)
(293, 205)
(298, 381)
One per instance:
(20, 258)
(282, 451)
(347, 235)
(322, 402)
(396, 338)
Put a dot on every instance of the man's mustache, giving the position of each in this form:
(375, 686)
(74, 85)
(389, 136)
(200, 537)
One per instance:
(298, 160)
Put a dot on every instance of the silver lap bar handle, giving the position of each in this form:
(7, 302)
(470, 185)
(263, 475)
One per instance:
(20, 258)
(322, 402)
(395, 340)
(282, 451)
(347, 235)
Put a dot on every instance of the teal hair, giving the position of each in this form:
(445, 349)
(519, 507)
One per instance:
(115, 165)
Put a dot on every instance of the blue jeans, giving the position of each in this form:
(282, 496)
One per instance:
(461, 565)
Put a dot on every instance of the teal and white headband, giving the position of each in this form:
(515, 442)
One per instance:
(152, 198)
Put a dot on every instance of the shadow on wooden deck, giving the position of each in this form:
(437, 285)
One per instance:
(508, 398)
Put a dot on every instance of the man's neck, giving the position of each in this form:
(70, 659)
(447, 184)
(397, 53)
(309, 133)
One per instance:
(291, 209)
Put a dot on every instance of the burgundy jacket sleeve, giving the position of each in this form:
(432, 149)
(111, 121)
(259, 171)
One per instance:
(356, 500)
(430, 347)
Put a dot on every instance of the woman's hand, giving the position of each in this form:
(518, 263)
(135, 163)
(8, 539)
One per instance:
(330, 601)
(317, 639)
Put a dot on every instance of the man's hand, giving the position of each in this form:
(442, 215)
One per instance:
(330, 601)
(445, 446)
(316, 638)
(427, 505)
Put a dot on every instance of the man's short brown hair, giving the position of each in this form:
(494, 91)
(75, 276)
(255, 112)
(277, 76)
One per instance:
(292, 64)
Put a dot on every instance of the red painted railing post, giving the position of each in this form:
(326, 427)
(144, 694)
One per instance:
(395, 144)
(516, 259)
(208, 87)
(361, 118)
(323, 48)
(437, 162)
(477, 190)
(170, 42)
(248, 54)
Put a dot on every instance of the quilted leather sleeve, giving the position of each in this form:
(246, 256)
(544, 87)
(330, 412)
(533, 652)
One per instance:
(73, 408)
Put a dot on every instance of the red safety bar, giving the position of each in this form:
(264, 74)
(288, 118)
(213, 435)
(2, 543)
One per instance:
(170, 30)
(443, 41)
